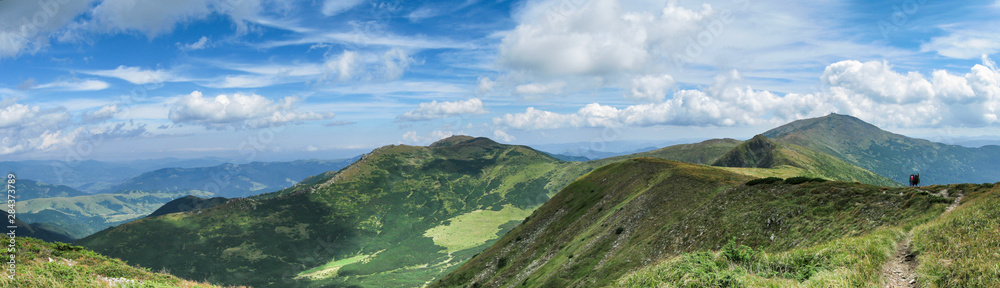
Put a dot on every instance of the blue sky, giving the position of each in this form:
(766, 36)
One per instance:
(281, 79)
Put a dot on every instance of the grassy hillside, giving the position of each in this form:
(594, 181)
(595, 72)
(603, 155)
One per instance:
(959, 249)
(761, 152)
(400, 216)
(58, 265)
(891, 155)
(229, 180)
(639, 212)
(84, 215)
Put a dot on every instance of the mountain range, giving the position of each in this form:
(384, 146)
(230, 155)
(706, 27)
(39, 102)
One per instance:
(407, 216)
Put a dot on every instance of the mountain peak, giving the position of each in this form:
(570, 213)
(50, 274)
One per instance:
(461, 139)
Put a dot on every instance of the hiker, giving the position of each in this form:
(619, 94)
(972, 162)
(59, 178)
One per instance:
(914, 180)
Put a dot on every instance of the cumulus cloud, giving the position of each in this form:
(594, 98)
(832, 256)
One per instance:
(723, 104)
(437, 110)
(651, 87)
(25, 128)
(872, 91)
(878, 81)
(503, 136)
(414, 137)
(137, 75)
(239, 111)
(599, 38)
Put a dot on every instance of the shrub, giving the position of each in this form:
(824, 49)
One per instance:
(768, 180)
(740, 253)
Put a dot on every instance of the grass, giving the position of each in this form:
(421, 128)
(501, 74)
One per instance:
(474, 228)
(330, 269)
(56, 265)
(960, 249)
(846, 262)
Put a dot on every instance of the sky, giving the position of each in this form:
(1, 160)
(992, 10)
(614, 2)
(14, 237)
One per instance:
(285, 79)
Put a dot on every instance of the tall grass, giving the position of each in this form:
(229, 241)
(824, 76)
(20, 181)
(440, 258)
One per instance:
(962, 247)
(846, 262)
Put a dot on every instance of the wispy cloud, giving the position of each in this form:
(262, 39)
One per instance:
(76, 85)
(137, 75)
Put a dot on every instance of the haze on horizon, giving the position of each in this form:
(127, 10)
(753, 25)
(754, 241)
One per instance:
(285, 79)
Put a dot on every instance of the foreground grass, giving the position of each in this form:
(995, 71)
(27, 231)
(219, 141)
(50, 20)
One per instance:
(847, 262)
(54, 265)
(962, 247)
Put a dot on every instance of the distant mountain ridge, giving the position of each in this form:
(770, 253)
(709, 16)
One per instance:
(31, 189)
(229, 180)
(891, 155)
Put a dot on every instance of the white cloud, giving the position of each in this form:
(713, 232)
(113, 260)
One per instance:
(421, 14)
(878, 81)
(395, 62)
(76, 85)
(414, 137)
(437, 110)
(485, 85)
(885, 97)
(596, 37)
(651, 87)
(334, 7)
(137, 75)
(503, 136)
(965, 43)
(26, 128)
(200, 44)
(239, 111)
(28, 24)
(102, 114)
(536, 88)
(344, 66)
(723, 104)
(872, 91)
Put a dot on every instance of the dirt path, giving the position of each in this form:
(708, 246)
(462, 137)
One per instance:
(900, 270)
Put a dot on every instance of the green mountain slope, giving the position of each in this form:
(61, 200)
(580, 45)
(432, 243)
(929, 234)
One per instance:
(84, 215)
(229, 180)
(891, 155)
(30, 189)
(630, 214)
(400, 216)
(761, 152)
(188, 203)
(58, 265)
